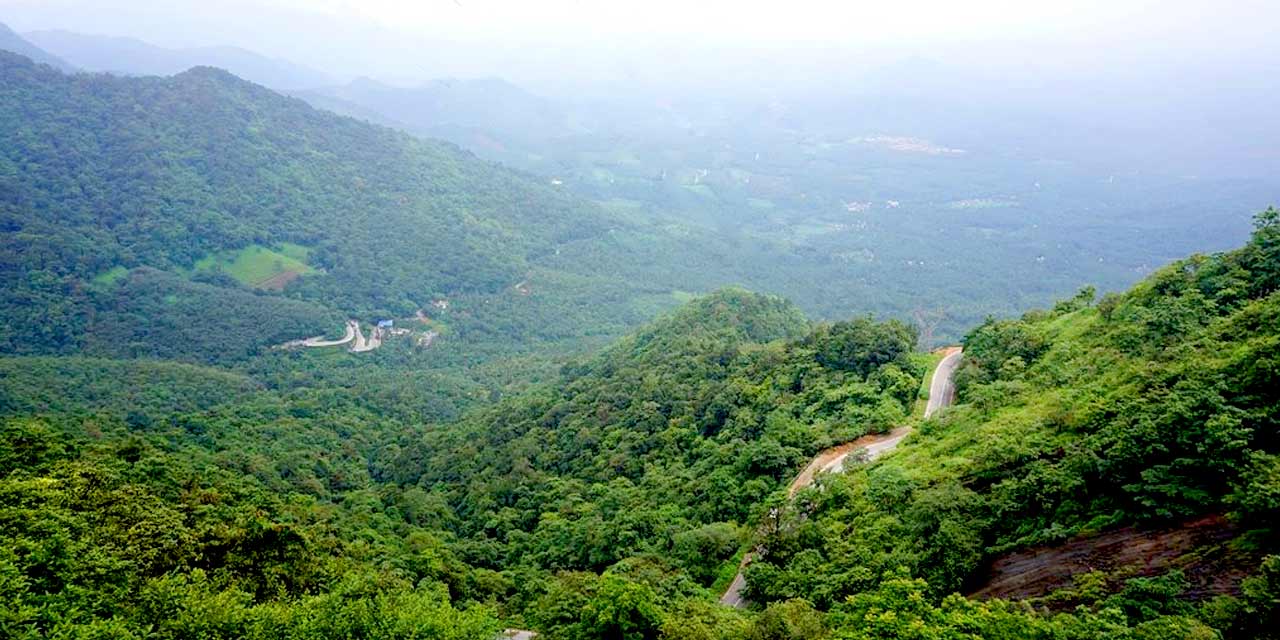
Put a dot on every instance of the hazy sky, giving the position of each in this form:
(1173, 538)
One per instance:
(791, 21)
(730, 21)
(541, 40)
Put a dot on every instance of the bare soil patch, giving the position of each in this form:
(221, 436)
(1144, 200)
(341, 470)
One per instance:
(1200, 548)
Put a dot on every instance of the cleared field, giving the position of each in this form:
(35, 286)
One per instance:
(259, 266)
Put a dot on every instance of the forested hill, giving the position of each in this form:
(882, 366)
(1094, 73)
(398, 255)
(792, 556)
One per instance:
(1121, 455)
(130, 56)
(100, 174)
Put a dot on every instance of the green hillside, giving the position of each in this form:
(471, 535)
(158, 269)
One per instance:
(1154, 408)
(260, 267)
(287, 508)
(202, 166)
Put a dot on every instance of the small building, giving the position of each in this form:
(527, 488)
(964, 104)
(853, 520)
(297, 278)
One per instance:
(386, 324)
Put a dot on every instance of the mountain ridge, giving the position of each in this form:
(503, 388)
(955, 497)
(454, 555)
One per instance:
(113, 54)
(12, 42)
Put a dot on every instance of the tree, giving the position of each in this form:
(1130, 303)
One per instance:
(620, 610)
(860, 345)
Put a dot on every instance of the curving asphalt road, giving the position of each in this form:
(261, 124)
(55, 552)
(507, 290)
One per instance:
(319, 341)
(942, 392)
(353, 335)
(361, 345)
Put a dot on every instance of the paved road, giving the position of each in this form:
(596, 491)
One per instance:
(319, 341)
(354, 335)
(361, 345)
(942, 392)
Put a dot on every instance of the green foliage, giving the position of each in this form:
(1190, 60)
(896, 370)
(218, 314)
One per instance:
(203, 167)
(256, 265)
(50, 385)
(620, 610)
(998, 349)
(664, 444)
(1256, 497)
(602, 502)
(790, 620)
(122, 537)
(153, 314)
(702, 550)
(862, 345)
(1262, 254)
(1160, 408)
(901, 609)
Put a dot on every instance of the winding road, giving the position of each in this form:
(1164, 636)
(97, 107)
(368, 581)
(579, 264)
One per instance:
(352, 328)
(353, 335)
(942, 392)
(361, 345)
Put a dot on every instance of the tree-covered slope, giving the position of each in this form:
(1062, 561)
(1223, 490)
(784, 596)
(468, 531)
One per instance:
(1151, 408)
(142, 389)
(98, 173)
(227, 508)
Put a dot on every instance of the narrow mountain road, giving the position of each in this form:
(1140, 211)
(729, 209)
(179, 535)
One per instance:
(319, 341)
(361, 345)
(353, 335)
(942, 392)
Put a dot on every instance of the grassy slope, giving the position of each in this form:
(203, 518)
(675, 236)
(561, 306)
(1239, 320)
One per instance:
(254, 265)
